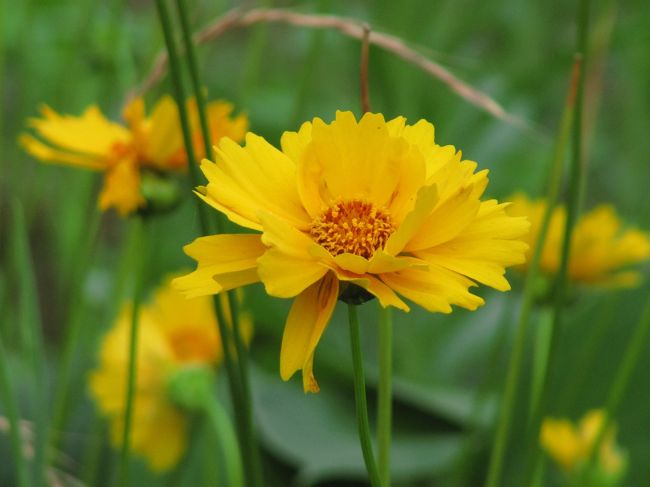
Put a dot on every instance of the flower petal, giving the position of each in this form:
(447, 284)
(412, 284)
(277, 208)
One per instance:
(90, 133)
(165, 136)
(308, 317)
(121, 188)
(45, 153)
(427, 198)
(435, 289)
(247, 179)
(288, 267)
(224, 262)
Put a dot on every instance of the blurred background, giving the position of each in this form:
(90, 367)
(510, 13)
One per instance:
(448, 369)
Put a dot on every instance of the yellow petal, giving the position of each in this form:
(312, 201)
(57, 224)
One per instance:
(349, 159)
(89, 134)
(122, 189)
(308, 317)
(256, 177)
(427, 197)
(164, 140)
(288, 267)
(46, 153)
(223, 262)
(446, 221)
(435, 289)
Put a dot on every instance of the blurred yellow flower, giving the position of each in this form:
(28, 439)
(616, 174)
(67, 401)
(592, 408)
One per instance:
(152, 143)
(570, 446)
(351, 210)
(174, 333)
(600, 250)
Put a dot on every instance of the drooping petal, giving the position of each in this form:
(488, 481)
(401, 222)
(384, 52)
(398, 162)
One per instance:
(308, 317)
(224, 262)
(121, 188)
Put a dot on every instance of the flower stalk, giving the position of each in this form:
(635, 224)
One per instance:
(624, 373)
(500, 441)
(385, 393)
(237, 377)
(138, 284)
(360, 398)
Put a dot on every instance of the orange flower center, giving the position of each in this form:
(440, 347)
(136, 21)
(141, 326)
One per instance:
(192, 345)
(354, 226)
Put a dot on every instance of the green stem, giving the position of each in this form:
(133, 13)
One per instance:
(360, 398)
(72, 332)
(622, 381)
(227, 439)
(237, 378)
(540, 355)
(252, 454)
(385, 393)
(133, 348)
(30, 324)
(15, 434)
(506, 410)
(576, 182)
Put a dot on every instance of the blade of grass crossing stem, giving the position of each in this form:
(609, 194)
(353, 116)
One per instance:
(360, 398)
(575, 190)
(62, 391)
(500, 440)
(239, 390)
(628, 365)
(540, 353)
(226, 438)
(30, 323)
(138, 285)
(11, 409)
(385, 393)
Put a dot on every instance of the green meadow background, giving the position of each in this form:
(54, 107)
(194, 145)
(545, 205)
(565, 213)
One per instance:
(450, 369)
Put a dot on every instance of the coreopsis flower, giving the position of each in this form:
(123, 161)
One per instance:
(570, 445)
(175, 334)
(352, 210)
(131, 156)
(602, 251)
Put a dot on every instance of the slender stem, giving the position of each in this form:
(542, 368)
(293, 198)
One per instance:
(15, 433)
(621, 383)
(133, 348)
(31, 326)
(190, 53)
(540, 355)
(385, 393)
(227, 439)
(72, 332)
(506, 411)
(360, 398)
(244, 409)
(363, 71)
(576, 182)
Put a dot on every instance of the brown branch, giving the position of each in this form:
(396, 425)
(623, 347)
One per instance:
(363, 72)
(352, 28)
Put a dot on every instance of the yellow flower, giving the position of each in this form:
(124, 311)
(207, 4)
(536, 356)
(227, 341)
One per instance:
(174, 333)
(570, 447)
(152, 143)
(600, 248)
(352, 210)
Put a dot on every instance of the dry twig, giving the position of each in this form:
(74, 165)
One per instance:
(352, 28)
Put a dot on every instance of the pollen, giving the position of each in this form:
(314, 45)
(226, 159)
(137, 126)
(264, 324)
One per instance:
(353, 226)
